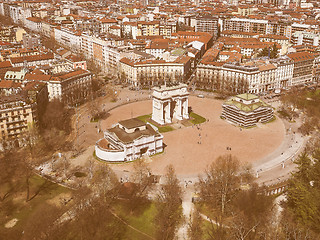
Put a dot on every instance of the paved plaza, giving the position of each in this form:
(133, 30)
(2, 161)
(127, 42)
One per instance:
(191, 149)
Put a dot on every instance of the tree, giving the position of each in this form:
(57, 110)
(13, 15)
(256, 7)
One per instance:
(169, 212)
(302, 194)
(251, 215)
(41, 223)
(93, 66)
(57, 116)
(274, 51)
(8, 181)
(94, 220)
(105, 183)
(195, 231)
(95, 108)
(218, 188)
(143, 181)
(221, 183)
(264, 52)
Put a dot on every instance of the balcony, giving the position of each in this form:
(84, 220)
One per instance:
(15, 121)
(16, 127)
(13, 134)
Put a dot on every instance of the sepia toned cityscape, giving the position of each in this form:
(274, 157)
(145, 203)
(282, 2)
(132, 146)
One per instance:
(160, 120)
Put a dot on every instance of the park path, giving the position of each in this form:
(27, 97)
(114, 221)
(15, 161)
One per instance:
(187, 210)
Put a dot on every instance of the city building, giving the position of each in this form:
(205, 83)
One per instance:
(154, 72)
(303, 67)
(72, 87)
(17, 115)
(209, 24)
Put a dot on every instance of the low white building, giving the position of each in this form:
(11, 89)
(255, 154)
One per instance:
(128, 140)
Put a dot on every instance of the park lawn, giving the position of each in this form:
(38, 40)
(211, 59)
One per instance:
(144, 117)
(165, 129)
(94, 120)
(196, 119)
(202, 208)
(22, 209)
(142, 221)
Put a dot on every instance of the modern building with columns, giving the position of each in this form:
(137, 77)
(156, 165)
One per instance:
(246, 110)
(169, 103)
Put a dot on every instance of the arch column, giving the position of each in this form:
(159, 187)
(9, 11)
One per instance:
(167, 117)
(178, 113)
(185, 113)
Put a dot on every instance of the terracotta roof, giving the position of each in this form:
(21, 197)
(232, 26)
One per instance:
(37, 77)
(73, 74)
(74, 58)
(104, 20)
(183, 59)
(301, 56)
(267, 67)
(34, 19)
(9, 84)
(32, 58)
(114, 27)
(5, 64)
(127, 61)
(34, 86)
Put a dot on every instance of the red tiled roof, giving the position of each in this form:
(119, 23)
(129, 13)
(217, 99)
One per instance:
(9, 84)
(74, 58)
(37, 77)
(32, 58)
(34, 19)
(104, 20)
(72, 74)
(5, 64)
(301, 56)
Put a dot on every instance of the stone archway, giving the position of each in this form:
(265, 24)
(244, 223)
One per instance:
(169, 103)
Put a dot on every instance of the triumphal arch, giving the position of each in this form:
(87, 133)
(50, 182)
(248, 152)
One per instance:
(170, 102)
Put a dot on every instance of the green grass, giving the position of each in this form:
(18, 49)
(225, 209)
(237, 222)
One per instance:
(94, 120)
(142, 221)
(22, 209)
(162, 129)
(165, 129)
(144, 117)
(196, 119)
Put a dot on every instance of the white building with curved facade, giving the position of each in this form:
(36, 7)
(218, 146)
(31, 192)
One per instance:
(128, 140)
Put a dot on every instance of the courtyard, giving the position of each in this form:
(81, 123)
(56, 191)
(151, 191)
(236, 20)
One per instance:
(191, 149)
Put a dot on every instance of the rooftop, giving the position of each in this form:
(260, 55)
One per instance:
(132, 123)
(125, 137)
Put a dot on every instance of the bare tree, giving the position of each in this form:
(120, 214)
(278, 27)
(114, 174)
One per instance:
(195, 231)
(41, 223)
(252, 214)
(169, 213)
(220, 185)
(105, 183)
